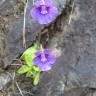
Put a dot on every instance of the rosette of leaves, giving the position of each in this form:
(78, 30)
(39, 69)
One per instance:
(28, 68)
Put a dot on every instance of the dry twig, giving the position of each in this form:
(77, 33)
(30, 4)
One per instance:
(70, 18)
(14, 82)
(24, 25)
(19, 89)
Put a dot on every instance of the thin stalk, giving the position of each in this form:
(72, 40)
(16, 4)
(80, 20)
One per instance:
(39, 39)
(24, 25)
(33, 2)
(19, 89)
(70, 18)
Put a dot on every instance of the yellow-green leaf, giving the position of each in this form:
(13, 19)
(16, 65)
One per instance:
(36, 68)
(36, 79)
(23, 69)
(28, 55)
(30, 74)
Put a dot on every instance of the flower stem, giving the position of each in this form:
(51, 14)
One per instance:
(39, 39)
(41, 47)
(43, 58)
(33, 2)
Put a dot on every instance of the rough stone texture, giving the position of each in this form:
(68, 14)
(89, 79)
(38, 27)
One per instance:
(79, 92)
(7, 7)
(4, 80)
(76, 68)
(85, 66)
(14, 41)
(2, 38)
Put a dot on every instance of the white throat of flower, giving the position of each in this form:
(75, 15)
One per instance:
(43, 2)
(43, 58)
(43, 8)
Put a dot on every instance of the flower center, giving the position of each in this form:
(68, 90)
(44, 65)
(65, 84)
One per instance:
(43, 9)
(43, 57)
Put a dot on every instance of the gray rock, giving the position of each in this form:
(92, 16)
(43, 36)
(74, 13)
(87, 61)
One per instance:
(14, 41)
(4, 80)
(7, 7)
(78, 91)
(85, 66)
(76, 67)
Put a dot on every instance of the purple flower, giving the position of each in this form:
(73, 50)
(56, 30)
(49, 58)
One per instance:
(44, 59)
(44, 12)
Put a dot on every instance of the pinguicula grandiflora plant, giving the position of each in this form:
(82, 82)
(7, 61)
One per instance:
(28, 68)
(44, 11)
(36, 59)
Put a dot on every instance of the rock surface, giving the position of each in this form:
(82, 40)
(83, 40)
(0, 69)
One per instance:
(4, 80)
(76, 68)
(7, 7)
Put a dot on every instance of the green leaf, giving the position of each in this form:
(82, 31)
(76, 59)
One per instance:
(29, 68)
(28, 59)
(36, 68)
(30, 74)
(23, 69)
(36, 79)
(28, 55)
